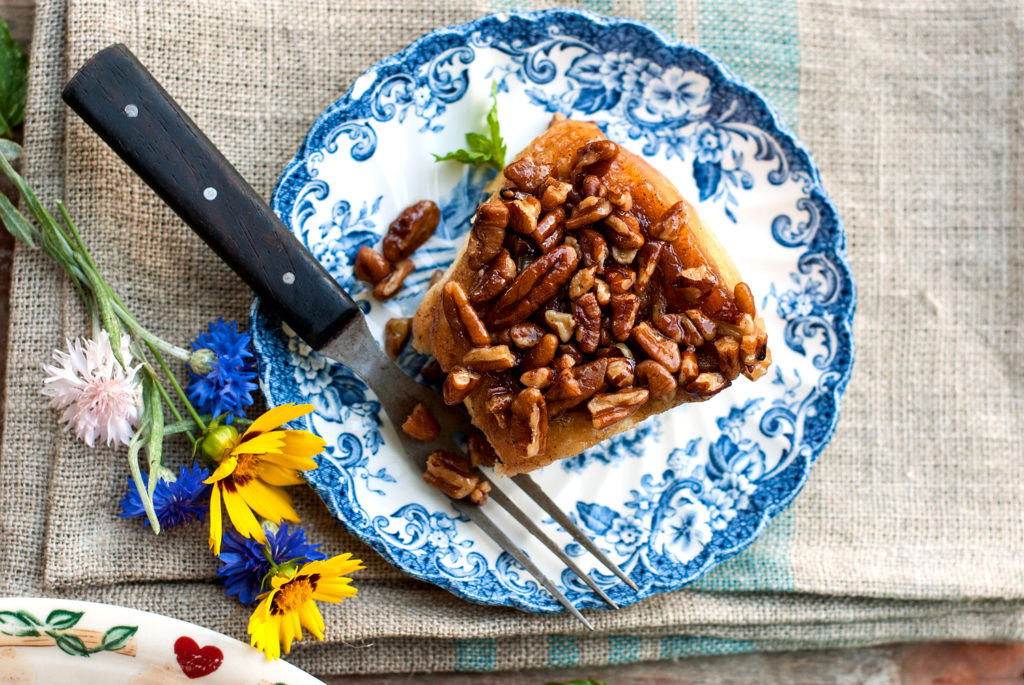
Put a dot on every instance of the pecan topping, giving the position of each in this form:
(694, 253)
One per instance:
(480, 451)
(593, 152)
(622, 255)
(396, 334)
(390, 286)
(554, 194)
(592, 185)
(462, 318)
(499, 402)
(624, 309)
(624, 231)
(492, 358)
(568, 356)
(526, 335)
(410, 230)
(707, 385)
(587, 314)
(458, 384)
(479, 494)
(705, 326)
(538, 378)
(610, 408)
(622, 201)
(620, 279)
(582, 282)
(672, 223)
(658, 347)
(526, 175)
(530, 422)
(728, 349)
(534, 286)
(450, 473)
(679, 328)
(689, 369)
(488, 233)
(744, 299)
(647, 262)
(421, 424)
(602, 292)
(659, 381)
(370, 266)
(566, 386)
(541, 354)
(594, 248)
(560, 323)
(620, 372)
(494, 279)
(591, 210)
(590, 377)
(523, 214)
(550, 230)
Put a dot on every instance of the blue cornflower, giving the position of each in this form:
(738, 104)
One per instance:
(221, 371)
(245, 561)
(175, 501)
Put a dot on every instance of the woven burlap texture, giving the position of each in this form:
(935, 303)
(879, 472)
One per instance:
(912, 524)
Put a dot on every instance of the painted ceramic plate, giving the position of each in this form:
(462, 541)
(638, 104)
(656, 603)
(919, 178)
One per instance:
(680, 493)
(64, 641)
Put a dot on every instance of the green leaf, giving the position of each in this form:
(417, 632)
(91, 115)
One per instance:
(19, 624)
(16, 223)
(154, 448)
(9, 149)
(483, 149)
(62, 619)
(13, 82)
(70, 644)
(117, 637)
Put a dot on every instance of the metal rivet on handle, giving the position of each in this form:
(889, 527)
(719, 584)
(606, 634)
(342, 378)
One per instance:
(210, 193)
(288, 277)
(131, 110)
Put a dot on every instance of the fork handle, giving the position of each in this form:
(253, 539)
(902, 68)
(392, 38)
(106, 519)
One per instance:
(118, 97)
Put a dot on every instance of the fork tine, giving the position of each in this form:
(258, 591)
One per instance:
(530, 487)
(477, 516)
(499, 497)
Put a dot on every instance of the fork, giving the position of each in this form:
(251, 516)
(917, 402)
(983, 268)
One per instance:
(118, 97)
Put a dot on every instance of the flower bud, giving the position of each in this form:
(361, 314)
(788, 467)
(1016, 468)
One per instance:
(218, 442)
(202, 360)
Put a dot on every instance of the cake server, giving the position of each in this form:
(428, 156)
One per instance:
(118, 97)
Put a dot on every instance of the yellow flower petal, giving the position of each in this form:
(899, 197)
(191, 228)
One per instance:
(288, 461)
(223, 470)
(303, 443)
(216, 524)
(270, 502)
(241, 516)
(261, 444)
(278, 416)
(311, 619)
(272, 474)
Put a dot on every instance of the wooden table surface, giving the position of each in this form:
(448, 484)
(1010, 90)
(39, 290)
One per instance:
(945, 663)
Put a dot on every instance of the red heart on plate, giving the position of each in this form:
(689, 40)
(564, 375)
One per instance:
(196, 661)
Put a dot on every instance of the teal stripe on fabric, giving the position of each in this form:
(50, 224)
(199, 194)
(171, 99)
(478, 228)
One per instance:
(762, 566)
(760, 41)
(673, 646)
(623, 649)
(662, 14)
(563, 651)
(474, 654)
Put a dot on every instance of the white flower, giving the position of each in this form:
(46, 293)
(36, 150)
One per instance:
(100, 399)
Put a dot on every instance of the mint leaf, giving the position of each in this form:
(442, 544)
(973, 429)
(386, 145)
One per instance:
(62, 619)
(13, 82)
(117, 637)
(483, 149)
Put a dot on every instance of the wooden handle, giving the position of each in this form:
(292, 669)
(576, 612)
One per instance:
(118, 97)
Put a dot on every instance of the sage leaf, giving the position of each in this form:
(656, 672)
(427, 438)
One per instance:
(117, 637)
(13, 82)
(9, 149)
(70, 644)
(62, 619)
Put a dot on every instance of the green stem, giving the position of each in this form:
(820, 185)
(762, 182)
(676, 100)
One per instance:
(177, 387)
(151, 340)
(174, 410)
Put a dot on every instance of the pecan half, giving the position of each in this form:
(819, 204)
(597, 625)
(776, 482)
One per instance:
(554, 194)
(591, 185)
(458, 384)
(561, 324)
(620, 279)
(488, 233)
(646, 263)
(689, 369)
(594, 248)
(744, 299)
(534, 286)
(462, 318)
(541, 354)
(450, 473)
(620, 372)
(370, 266)
(582, 282)
(568, 356)
(565, 386)
(671, 224)
(707, 384)
(609, 408)
(658, 347)
(592, 153)
(530, 422)
(390, 286)
(679, 328)
(622, 201)
(421, 424)
(624, 231)
(523, 214)
(499, 402)
(728, 349)
(396, 334)
(538, 378)
(591, 210)
(494, 279)
(622, 255)
(480, 451)
(411, 229)
(587, 314)
(624, 310)
(526, 335)
(602, 292)
(659, 381)
(491, 358)
(705, 326)
(527, 175)
(550, 230)
(590, 378)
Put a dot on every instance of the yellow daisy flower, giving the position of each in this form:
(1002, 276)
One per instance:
(290, 604)
(254, 467)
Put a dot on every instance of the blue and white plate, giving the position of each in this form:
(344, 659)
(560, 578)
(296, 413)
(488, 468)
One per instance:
(685, 490)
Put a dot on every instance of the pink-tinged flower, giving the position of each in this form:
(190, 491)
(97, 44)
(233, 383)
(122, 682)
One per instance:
(100, 398)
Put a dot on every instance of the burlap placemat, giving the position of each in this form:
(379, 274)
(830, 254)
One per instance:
(912, 525)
